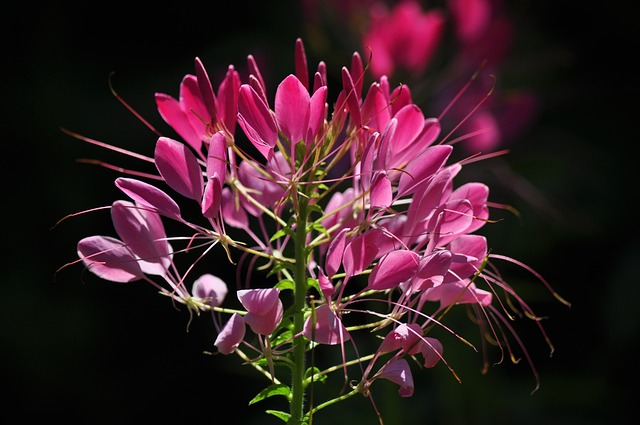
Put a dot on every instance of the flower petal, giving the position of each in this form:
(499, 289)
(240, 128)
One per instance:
(292, 109)
(179, 167)
(110, 259)
(231, 334)
(393, 268)
(324, 327)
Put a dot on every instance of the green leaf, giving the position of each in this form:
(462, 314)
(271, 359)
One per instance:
(272, 390)
(280, 415)
(312, 371)
(313, 283)
(280, 233)
(286, 284)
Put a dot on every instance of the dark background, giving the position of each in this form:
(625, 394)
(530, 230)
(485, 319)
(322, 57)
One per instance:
(80, 350)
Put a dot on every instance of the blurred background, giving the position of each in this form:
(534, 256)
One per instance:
(80, 350)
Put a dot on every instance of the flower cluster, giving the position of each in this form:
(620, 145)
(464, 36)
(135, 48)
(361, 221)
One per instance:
(426, 44)
(352, 210)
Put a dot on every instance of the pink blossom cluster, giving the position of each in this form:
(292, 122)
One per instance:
(356, 201)
(426, 43)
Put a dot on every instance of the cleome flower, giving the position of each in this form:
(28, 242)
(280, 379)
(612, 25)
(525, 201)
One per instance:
(352, 210)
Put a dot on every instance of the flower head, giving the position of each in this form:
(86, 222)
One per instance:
(355, 215)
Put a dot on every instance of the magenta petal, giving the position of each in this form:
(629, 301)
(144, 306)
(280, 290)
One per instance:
(326, 286)
(404, 336)
(324, 327)
(206, 89)
(423, 166)
(109, 259)
(228, 100)
(173, 114)
(266, 323)
(376, 112)
(393, 269)
(317, 112)
(404, 145)
(472, 249)
(210, 288)
(381, 194)
(194, 108)
(256, 121)
(231, 334)
(259, 301)
(431, 350)
(334, 253)
(432, 270)
(292, 109)
(461, 292)
(398, 372)
(234, 215)
(150, 196)
(179, 167)
(216, 172)
(359, 254)
(142, 230)
(450, 220)
(212, 197)
(352, 97)
(302, 70)
(477, 194)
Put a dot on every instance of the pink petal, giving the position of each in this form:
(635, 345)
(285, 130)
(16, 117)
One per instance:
(259, 301)
(194, 109)
(256, 121)
(179, 168)
(150, 196)
(393, 268)
(109, 259)
(234, 216)
(461, 292)
(431, 350)
(469, 253)
(404, 336)
(410, 124)
(381, 194)
(471, 18)
(450, 220)
(326, 286)
(206, 89)
(265, 324)
(173, 114)
(144, 234)
(477, 194)
(231, 334)
(422, 167)
(228, 100)
(359, 254)
(302, 70)
(210, 288)
(317, 112)
(352, 97)
(333, 259)
(432, 270)
(324, 327)
(398, 372)
(212, 197)
(292, 109)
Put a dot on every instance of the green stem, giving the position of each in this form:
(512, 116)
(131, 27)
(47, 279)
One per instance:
(296, 406)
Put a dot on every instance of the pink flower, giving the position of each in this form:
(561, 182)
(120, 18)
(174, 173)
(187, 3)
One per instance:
(264, 309)
(405, 37)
